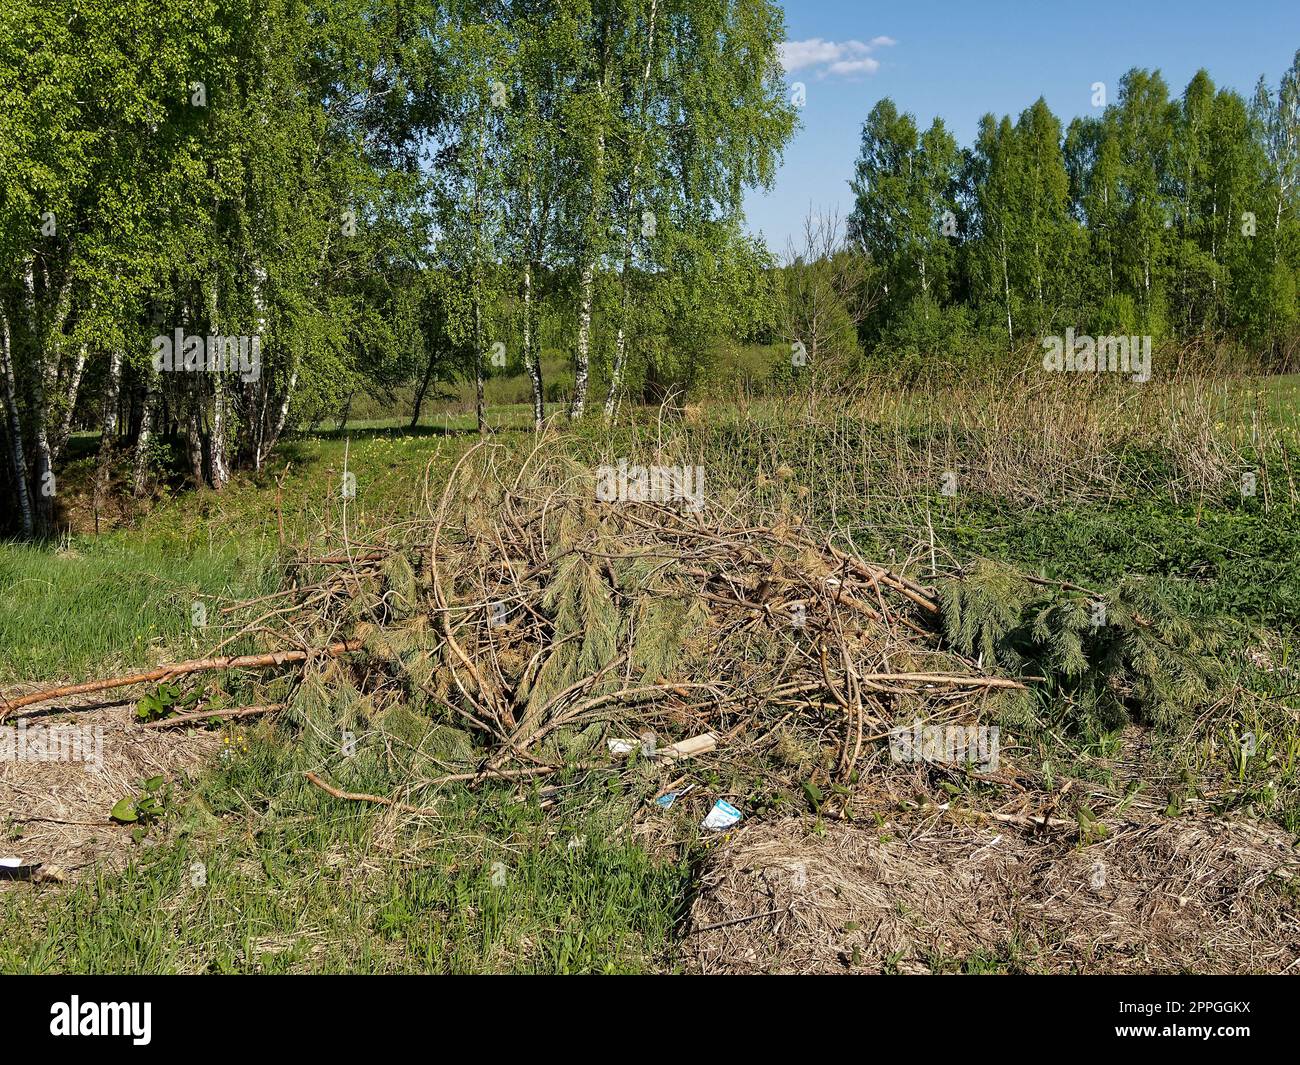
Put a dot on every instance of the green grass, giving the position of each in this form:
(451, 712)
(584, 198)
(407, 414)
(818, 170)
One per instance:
(1282, 400)
(1231, 559)
(266, 874)
(115, 602)
(87, 604)
(296, 880)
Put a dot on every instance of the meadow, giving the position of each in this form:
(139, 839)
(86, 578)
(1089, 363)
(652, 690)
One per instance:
(1094, 491)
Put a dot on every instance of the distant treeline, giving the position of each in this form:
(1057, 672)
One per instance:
(1173, 218)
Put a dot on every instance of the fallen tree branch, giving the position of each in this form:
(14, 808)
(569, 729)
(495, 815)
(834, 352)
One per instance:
(945, 678)
(356, 796)
(1011, 819)
(176, 669)
(517, 774)
(341, 560)
(741, 920)
(208, 715)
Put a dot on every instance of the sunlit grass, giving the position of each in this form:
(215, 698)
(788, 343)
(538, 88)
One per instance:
(314, 885)
(118, 601)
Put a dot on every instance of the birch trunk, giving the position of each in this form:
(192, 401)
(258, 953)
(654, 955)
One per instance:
(140, 467)
(70, 393)
(581, 357)
(478, 364)
(532, 358)
(282, 416)
(43, 455)
(421, 389)
(256, 393)
(218, 456)
(15, 434)
(620, 339)
(217, 444)
(620, 361)
(582, 352)
(43, 471)
(108, 427)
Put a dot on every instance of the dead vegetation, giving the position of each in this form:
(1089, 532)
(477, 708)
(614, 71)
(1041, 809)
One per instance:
(1038, 439)
(934, 894)
(538, 623)
(523, 627)
(55, 812)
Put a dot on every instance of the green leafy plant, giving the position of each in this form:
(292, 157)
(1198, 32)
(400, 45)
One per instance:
(814, 796)
(1090, 829)
(166, 700)
(144, 809)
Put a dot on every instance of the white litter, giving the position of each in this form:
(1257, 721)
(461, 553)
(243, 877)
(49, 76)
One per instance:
(723, 815)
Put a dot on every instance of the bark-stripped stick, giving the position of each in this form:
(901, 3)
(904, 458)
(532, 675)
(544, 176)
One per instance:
(176, 669)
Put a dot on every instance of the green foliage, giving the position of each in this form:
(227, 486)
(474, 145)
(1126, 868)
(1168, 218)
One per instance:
(599, 610)
(979, 611)
(165, 700)
(1127, 656)
(662, 624)
(401, 594)
(1170, 218)
(587, 625)
(142, 810)
(932, 342)
(905, 183)
(1232, 560)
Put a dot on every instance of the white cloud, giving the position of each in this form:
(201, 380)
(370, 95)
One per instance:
(833, 58)
(847, 67)
(795, 55)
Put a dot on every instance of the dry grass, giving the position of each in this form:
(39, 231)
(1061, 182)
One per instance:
(921, 895)
(56, 813)
(1031, 437)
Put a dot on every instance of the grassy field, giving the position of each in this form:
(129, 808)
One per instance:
(291, 881)
(253, 870)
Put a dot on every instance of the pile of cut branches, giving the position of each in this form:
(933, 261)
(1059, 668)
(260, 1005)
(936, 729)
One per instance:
(536, 628)
(556, 629)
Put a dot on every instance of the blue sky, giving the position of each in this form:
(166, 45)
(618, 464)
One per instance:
(960, 58)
